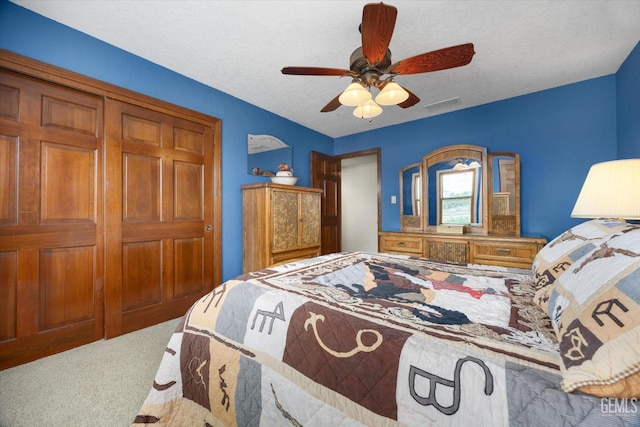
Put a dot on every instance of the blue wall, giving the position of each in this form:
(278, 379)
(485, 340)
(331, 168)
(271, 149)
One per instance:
(559, 133)
(628, 90)
(31, 35)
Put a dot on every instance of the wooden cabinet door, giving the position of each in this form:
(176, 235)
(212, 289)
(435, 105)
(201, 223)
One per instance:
(309, 219)
(285, 211)
(51, 223)
(159, 231)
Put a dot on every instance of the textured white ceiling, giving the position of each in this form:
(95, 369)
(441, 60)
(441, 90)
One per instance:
(239, 47)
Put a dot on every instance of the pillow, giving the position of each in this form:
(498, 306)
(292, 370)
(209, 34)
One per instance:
(560, 253)
(589, 284)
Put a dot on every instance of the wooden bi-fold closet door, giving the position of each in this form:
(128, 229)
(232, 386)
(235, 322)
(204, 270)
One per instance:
(110, 210)
(159, 227)
(51, 228)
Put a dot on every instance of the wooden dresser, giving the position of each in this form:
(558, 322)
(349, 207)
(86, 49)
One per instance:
(280, 223)
(507, 251)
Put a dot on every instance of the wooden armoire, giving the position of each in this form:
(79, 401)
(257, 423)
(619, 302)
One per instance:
(280, 223)
(110, 216)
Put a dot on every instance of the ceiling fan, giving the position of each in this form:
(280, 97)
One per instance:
(371, 62)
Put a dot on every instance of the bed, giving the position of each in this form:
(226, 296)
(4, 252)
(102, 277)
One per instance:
(377, 339)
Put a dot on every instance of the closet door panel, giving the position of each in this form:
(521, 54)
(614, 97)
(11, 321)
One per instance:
(189, 267)
(61, 304)
(159, 245)
(8, 179)
(68, 176)
(50, 223)
(142, 275)
(188, 201)
(141, 188)
(9, 292)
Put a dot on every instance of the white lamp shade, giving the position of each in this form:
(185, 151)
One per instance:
(392, 94)
(611, 190)
(367, 110)
(355, 94)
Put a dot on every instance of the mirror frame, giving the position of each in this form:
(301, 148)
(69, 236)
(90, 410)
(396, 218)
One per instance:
(508, 225)
(410, 222)
(453, 152)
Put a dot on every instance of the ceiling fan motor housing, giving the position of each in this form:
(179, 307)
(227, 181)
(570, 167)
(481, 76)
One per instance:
(369, 74)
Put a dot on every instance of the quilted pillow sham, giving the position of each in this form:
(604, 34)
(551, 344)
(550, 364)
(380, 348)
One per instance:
(572, 245)
(588, 282)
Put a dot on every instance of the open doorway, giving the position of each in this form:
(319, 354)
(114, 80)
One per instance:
(361, 183)
(359, 202)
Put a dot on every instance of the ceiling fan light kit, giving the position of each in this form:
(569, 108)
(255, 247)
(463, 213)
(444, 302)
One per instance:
(392, 94)
(355, 94)
(370, 62)
(367, 110)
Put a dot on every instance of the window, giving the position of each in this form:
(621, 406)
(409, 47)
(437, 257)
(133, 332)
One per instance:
(457, 196)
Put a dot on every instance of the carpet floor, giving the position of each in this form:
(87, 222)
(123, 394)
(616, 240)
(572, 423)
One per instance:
(99, 384)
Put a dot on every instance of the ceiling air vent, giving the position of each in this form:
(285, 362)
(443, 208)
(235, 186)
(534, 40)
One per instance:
(441, 105)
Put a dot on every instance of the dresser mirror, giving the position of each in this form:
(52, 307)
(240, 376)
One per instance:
(504, 193)
(469, 210)
(411, 197)
(462, 185)
(455, 181)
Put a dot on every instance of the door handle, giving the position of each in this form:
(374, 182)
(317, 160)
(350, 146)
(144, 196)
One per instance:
(208, 228)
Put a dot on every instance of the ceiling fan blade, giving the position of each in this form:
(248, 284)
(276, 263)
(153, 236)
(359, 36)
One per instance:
(378, 21)
(449, 57)
(315, 71)
(411, 101)
(332, 105)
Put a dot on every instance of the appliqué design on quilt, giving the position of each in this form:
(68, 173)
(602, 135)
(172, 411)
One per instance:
(277, 313)
(391, 283)
(605, 252)
(605, 308)
(283, 411)
(544, 279)
(169, 384)
(578, 344)
(443, 316)
(226, 400)
(567, 236)
(216, 294)
(361, 347)
(456, 388)
(195, 371)
(196, 367)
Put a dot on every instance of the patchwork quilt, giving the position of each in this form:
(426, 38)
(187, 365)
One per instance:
(373, 340)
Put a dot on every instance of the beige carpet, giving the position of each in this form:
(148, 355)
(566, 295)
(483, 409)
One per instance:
(100, 384)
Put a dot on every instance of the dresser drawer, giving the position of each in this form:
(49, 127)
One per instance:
(401, 244)
(518, 255)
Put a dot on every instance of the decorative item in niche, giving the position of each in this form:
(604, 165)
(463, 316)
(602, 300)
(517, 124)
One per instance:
(264, 153)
